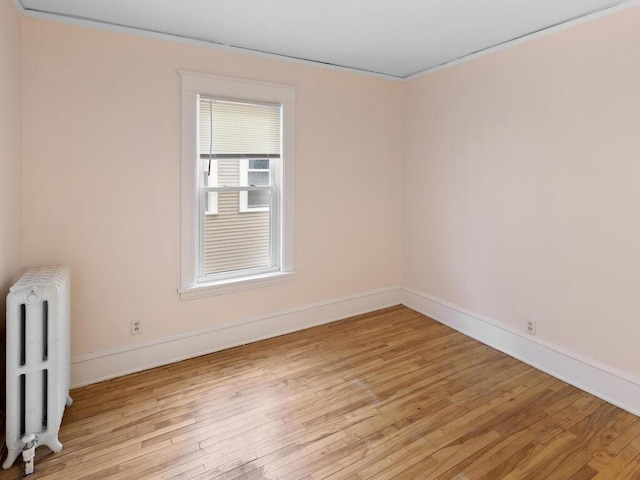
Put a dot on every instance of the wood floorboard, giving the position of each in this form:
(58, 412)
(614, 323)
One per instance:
(387, 395)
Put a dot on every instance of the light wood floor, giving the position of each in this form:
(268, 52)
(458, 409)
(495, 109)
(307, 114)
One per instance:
(387, 395)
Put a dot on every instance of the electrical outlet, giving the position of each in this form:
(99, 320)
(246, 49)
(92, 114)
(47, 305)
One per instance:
(531, 326)
(136, 327)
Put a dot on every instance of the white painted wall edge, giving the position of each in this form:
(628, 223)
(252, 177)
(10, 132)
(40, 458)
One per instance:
(102, 365)
(603, 381)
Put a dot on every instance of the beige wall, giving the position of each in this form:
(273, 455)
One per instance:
(520, 182)
(102, 158)
(522, 188)
(10, 151)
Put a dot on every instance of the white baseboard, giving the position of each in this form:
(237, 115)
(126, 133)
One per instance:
(103, 365)
(607, 383)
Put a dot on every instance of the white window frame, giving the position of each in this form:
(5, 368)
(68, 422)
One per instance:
(244, 180)
(193, 85)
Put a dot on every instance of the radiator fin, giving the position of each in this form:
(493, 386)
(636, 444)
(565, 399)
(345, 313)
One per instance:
(45, 330)
(23, 335)
(45, 395)
(23, 406)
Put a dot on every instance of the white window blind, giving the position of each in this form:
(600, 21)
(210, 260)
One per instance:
(234, 129)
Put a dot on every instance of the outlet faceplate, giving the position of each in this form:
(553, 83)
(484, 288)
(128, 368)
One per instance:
(136, 327)
(531, 326)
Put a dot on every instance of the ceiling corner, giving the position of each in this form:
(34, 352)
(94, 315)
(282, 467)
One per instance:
(19, 6)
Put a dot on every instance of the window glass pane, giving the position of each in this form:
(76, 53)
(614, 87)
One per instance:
(211, 205)
(209, 168)
(228, 172)
(235, 240)
(262, 164)
(258, 178)
(258, 198)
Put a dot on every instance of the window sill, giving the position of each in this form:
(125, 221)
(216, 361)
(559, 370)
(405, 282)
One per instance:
(235, 285)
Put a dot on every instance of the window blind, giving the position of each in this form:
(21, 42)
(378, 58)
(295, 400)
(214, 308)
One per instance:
(229, 129)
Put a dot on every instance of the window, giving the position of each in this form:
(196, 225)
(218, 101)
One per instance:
(237, 184)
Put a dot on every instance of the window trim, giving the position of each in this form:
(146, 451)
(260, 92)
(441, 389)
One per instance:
(192, 85)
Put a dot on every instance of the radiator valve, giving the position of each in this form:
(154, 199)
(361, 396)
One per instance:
(29, 452)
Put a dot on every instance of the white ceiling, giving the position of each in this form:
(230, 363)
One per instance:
(396, 38)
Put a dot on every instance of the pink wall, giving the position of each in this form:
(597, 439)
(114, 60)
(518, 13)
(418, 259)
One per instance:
(10, 150)
(101, 163)
(520, 182)
(522, 187)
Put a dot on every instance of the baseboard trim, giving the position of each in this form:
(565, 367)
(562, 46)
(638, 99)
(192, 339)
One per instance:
(607, 383)
(105, 364)
(603, 381)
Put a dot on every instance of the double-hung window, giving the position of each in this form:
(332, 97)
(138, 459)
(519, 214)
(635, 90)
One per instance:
(237, 184)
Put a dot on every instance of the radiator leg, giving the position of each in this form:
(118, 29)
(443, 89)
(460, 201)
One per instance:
(69, 400)
(54, 444)
(27, 457)
(11, 457)
(29, 452)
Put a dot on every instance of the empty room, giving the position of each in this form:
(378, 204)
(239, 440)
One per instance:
(320, 240)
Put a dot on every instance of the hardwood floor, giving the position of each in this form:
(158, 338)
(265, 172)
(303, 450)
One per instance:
(387, 395)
